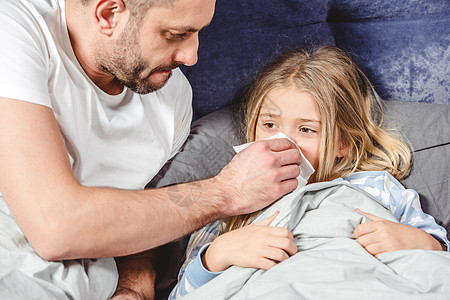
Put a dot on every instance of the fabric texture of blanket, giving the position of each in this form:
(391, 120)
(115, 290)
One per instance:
(25, 275)
(330, 263)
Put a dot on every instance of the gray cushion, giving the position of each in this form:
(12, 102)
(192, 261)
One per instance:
(207, 150)
(426, 126)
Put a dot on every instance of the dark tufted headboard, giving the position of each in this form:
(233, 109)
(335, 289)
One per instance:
(402, 46)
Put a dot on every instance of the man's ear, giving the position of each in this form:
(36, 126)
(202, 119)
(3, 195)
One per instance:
(108, 13)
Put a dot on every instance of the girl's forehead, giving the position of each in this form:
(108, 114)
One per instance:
(270, 106)
(290, 101)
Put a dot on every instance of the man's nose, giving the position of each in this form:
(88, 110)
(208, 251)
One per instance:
(188, 50)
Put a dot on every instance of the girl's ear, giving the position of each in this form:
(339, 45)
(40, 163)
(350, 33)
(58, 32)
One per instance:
(342, 151)
(341, 145)
(108, 14)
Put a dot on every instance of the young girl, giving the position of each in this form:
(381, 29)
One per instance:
(327, 106)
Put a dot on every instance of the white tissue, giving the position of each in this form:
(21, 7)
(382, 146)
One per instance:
(306, 170)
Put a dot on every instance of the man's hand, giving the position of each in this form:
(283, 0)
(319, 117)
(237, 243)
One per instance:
(381, 236)
(259, 175)
(254, 246)
(137, 276)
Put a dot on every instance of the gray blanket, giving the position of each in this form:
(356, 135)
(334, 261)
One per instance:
(25, 275)
(330, 263)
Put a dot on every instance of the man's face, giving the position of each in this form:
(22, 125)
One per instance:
(142, 58)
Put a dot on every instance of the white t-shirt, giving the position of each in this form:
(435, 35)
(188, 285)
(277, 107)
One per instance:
(117, 141)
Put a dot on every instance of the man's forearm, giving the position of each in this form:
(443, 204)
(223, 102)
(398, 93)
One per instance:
(109, 222)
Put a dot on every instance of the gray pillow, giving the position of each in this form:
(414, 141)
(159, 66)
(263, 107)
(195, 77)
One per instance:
(207, 150)
(426, 127)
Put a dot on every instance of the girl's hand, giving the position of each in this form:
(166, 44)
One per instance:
(254, 246)
(381, 236)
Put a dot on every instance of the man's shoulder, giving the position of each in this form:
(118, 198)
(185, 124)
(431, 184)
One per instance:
(35, 17)
(29, 7)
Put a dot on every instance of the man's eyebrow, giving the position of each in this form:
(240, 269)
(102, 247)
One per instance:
(183, 29)
(187, 28)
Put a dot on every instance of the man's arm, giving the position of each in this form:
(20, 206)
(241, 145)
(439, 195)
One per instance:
(63, 219)
(137, 276)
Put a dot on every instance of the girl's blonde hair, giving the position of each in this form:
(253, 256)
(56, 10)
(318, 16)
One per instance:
(347, 103)
(350, 110)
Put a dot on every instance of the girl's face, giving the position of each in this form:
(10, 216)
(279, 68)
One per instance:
(294, 113)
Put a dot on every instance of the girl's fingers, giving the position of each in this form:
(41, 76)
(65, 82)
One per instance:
(371, 244)
(364, 229)
(375, 249)
(264, 263)
(267, 221)
(367, 239)
(275, 254)
(269, 257)
(369, 216)
(282, 240)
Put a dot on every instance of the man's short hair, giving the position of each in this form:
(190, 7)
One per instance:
(138, 8)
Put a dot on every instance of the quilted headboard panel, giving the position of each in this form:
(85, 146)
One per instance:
(403, 46)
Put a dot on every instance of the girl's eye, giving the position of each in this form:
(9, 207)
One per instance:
(270, 125)
(306, 130)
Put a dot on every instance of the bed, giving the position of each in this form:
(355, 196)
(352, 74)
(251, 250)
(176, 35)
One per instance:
(402, 47)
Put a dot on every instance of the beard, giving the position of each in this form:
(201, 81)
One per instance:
(128, 66)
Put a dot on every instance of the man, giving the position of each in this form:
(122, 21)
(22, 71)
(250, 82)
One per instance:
(92, 104)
